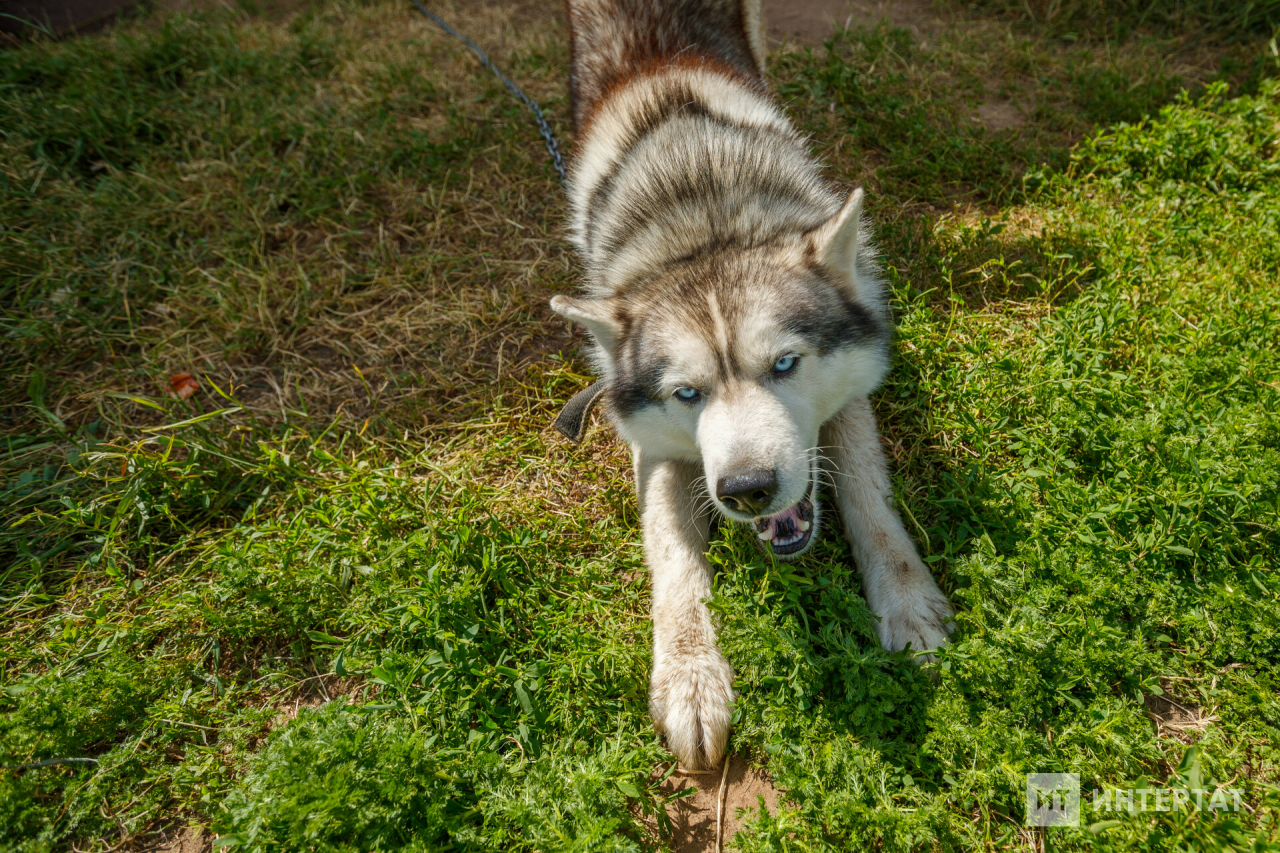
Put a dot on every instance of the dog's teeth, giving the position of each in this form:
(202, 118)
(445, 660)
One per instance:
(766, 534)
(804, 525)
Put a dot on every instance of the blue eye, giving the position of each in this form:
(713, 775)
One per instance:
(688, 395)
(785, 364)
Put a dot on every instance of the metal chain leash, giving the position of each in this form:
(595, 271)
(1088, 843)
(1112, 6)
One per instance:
(48, 762)
(552, 148)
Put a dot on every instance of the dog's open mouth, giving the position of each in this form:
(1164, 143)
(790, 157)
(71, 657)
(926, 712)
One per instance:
(789, 531)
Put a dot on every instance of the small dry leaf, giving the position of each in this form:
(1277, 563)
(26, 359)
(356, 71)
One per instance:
(183, 385)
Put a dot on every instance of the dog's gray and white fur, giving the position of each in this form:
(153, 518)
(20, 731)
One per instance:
(739, 324)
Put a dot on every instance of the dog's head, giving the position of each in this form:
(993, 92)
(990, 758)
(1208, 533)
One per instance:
(736, 358)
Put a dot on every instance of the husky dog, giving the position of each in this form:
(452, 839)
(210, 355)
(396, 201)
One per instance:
(739, 323)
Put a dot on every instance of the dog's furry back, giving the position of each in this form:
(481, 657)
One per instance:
(681, 150)
(617, 39)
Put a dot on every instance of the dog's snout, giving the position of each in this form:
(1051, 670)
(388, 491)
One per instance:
(748, 491)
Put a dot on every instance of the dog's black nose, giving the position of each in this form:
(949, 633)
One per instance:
(747, 491)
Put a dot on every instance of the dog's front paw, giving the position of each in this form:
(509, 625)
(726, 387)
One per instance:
(690, 697)
(913, 611)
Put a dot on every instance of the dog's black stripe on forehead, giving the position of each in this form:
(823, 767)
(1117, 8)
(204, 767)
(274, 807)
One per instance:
(699, 303)
(725, 350)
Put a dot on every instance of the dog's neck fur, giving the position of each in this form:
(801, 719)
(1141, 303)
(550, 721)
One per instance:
(680, 149)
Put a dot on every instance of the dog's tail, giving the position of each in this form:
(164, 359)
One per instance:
(614, 40)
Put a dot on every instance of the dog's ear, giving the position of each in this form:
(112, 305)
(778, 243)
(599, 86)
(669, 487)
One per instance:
(837, 241)
(596, 314)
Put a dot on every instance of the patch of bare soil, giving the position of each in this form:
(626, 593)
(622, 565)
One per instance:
(189, 840)
(1176, 716)
(812, 21)
(693, 817)
(999, 114)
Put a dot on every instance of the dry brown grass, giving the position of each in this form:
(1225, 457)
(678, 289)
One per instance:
(420, 303)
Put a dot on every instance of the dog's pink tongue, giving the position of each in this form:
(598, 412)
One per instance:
(785, 522)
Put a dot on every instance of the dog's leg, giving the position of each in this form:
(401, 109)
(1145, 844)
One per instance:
(898, 586)
(692, 684)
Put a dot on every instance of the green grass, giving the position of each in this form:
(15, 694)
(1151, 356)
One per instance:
(1073, 18)
(355, 595)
